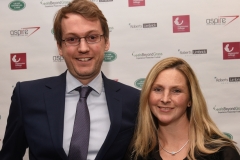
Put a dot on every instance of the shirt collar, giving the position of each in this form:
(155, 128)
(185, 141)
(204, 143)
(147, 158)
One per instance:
(72, 83)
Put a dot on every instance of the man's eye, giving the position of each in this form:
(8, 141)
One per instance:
(92, 37)
(71, 39)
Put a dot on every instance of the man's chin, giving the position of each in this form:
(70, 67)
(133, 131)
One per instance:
(87, 75)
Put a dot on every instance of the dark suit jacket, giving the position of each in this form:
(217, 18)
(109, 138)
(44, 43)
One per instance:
(36, 120)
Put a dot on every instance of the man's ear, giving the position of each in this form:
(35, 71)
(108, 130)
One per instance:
(59, 49)
(107, 45)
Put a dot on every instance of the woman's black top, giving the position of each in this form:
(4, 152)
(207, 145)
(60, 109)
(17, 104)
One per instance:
(225, 153)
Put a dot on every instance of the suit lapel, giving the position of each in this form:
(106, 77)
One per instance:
(55, 105)
(114, 103)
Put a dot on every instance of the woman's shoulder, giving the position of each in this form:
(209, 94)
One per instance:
(229, 153)
(225, 153)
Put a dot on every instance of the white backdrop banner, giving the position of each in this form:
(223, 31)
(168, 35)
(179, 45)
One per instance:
(142, 32)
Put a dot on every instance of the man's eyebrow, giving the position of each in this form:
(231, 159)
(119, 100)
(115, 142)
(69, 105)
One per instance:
(87, 33)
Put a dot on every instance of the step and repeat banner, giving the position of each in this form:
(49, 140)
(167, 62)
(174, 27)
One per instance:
(142, 32)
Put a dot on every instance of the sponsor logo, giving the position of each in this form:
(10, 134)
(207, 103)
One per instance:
(109, 56)
(227, 109)
(18, 61)
(234, 79)
(199, 51)
(221, 20)
(228, 135)
(52, 31)
(111, 29)
(139, 83)
(96, 1)
(227, 80)
(17, 5)
(136, 3)
(55, 3)
(196, 52)
(231, 50)
(147, 55)
(143, 26)
(105, 0)
(181, 23)
(222, 80)
(28, 31)
(58, 59)
(149, 25)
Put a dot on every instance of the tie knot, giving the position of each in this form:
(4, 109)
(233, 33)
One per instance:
(84, 91)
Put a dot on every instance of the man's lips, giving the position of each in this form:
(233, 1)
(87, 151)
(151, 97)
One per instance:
(83, 59)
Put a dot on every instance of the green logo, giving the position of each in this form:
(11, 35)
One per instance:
(17, 5)
(139, 83)
(109, 56)
(228, 135)
(52, 31)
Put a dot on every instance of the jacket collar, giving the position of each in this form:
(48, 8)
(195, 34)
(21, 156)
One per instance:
(114, 102)
(55, 96)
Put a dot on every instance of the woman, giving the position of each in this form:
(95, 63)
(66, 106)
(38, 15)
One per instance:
(173, 120)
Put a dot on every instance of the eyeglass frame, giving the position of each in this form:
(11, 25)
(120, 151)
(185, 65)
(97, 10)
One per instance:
(79, 39)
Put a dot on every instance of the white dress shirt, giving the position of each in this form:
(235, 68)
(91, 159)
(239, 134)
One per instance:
(98, 110)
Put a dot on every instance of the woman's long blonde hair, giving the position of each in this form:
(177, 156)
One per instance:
(204, 135)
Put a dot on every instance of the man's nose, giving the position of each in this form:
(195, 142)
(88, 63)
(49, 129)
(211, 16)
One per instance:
(83, 46)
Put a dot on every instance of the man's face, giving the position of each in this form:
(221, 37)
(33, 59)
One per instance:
(83, 61)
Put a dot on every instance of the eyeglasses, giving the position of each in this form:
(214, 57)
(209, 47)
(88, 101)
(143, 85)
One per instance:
(75, 41)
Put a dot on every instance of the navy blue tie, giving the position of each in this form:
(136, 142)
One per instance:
(80, 137)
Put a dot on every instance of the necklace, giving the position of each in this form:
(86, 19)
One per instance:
(173, 153)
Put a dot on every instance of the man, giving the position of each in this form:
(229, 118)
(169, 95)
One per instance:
(43, 112)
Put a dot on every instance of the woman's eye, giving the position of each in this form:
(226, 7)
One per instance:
(176, 91)
(157, 89)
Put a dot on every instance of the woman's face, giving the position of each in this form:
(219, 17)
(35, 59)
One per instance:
(169, 97)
